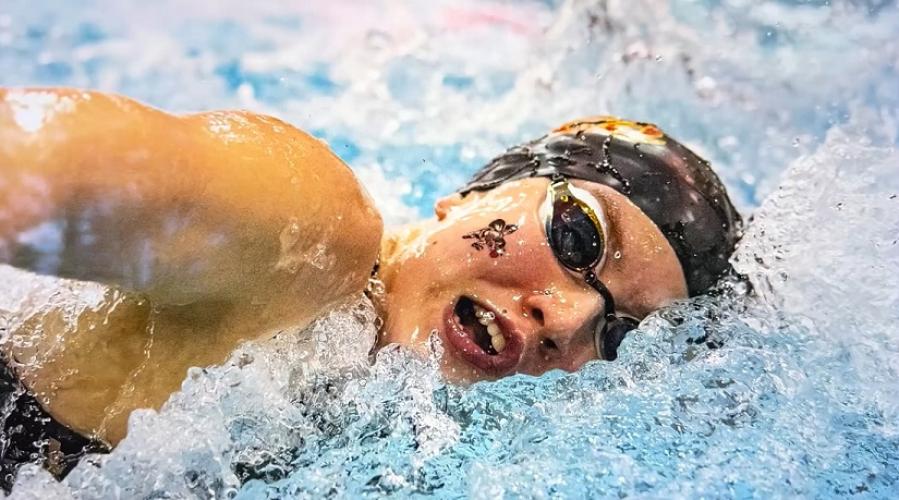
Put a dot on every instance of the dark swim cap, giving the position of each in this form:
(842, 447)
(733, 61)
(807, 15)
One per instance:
(673, 186)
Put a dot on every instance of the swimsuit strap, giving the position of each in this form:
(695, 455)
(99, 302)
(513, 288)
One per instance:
(32, 435)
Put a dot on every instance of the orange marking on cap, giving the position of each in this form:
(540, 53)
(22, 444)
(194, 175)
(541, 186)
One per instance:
(585, 123)
(652, 131)
(631, 131)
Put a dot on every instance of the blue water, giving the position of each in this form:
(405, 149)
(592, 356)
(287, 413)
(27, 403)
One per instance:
(789, 392)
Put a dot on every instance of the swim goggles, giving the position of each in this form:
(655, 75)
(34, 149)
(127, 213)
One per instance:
(576, 230)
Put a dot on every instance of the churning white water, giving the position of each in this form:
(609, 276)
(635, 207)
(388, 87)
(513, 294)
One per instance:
(789, 391)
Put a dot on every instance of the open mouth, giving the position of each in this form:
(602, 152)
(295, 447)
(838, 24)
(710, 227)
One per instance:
(481, 326)
(481, 337)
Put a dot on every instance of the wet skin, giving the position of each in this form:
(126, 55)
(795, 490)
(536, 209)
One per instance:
(210, 229)
(547, 312)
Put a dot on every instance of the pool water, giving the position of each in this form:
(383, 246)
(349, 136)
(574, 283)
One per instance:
(788, 392)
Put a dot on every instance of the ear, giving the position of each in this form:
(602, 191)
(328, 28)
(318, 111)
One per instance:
(445, 204)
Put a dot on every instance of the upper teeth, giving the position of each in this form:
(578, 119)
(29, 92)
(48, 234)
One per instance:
(487, 318)
(484, 317)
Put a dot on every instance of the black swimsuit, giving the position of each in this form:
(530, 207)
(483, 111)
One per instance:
(31, 435)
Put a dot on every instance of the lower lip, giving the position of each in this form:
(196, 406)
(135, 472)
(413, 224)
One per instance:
(465, 347)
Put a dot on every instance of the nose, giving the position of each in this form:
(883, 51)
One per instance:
(563, 324)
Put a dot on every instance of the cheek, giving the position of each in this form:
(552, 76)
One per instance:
(532, 255)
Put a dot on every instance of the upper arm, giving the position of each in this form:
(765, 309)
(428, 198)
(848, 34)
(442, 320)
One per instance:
(223, 207)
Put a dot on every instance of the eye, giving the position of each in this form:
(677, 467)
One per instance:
(615, 331)
(574, 236)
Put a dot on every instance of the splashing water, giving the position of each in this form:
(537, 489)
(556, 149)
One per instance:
(787, 392)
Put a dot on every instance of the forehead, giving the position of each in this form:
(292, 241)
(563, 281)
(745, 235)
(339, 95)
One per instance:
(520, 193)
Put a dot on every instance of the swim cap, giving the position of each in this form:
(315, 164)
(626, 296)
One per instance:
(673, 186)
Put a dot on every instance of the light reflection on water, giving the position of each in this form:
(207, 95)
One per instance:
(797, 399)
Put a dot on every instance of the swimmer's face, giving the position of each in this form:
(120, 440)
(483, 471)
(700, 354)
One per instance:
(445, 274)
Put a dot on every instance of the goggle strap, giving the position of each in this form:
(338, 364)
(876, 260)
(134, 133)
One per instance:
(592, 280)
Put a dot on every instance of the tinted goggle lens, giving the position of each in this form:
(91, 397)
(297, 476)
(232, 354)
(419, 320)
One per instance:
(573, 235)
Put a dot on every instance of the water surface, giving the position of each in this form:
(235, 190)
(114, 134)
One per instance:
(791, 392)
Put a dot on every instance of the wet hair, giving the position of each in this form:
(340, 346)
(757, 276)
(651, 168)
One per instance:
(672, 185)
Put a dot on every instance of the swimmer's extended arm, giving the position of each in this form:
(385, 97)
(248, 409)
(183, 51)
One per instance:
(233, 224)
(223, 207)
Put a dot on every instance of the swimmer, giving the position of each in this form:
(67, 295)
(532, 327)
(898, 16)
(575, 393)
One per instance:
(211, 229)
